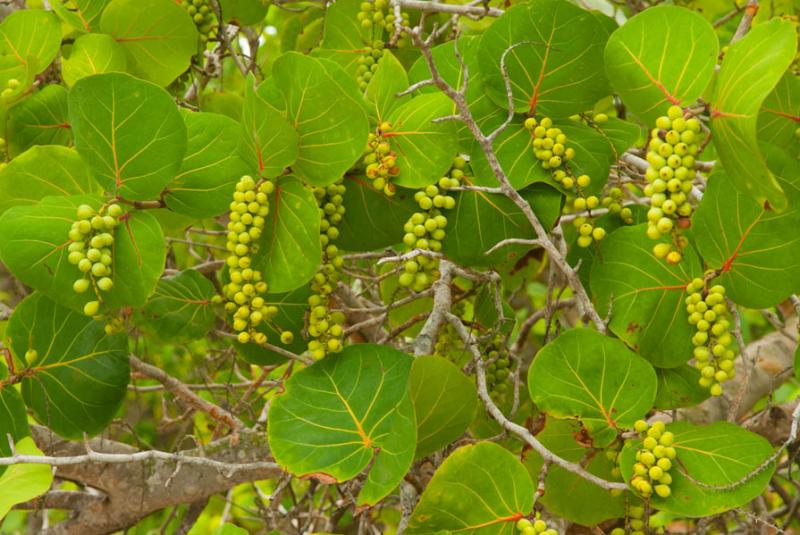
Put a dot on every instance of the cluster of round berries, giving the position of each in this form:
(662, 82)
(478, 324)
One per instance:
(613, 201)
(537, 527)
(324, 326)
(11, 85)
(709, 315)
(244, 292)
(550, 147)
(91, 238)
(499, 369)
(368, 63)
(653, 460)
(204, 18)
(425, 229)
(670, 175)
(381, 160)
(373, 16)
(635, 516)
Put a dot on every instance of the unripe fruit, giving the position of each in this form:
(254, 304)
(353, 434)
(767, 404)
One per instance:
(91, 308)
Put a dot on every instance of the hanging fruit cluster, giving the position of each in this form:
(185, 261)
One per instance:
(373, 15)
(708, 314)
(380, 160)
(368, 63)
(325, 326)
(204, 18)
(537, 527)
(653, 460)
(498, 370)
(674, 143)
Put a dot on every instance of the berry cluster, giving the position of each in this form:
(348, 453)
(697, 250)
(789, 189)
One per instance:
(91, 238)
(425, 229)
(245, 291)
(324, 326)
(709, 315)
(380, 160)
(635, 516)
(368, 63)
(204, 18)
(499, 369)
(373, 16)
(537, 527)
(653, 460)
(671, 151)
(11, 86)
(613, 201)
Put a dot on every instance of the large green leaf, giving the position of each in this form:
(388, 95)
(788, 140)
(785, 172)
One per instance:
(41, 119)
(585, 374)
(331, 124)
(648, 311)
(129, 132)
(211, 167)
(43, 171)
(555, 65)
(31, 35)
(34, 248)
(778, 118)
(343, 37)
(244, 11)
(716, 454)
(289, 249)
(372, 219)
(93, 53)
(81, 15)
(388, 79)
(664, 55)
(444, 402)
(568, 495)
(757, 250)
(158, 36)
(481, 220)
(752, 68)
(23, 482)
(480, 489)
(334, 416)
(13, 419)
(679, 387)
(80, 377)
(270, 142)
(181, 307)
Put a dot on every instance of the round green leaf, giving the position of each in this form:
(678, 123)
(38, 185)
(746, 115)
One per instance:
(567, 494)
(210, 169)
(34, 248)
(752, 68)
(158, 36)
(777, 120)
(372, 219)
(480, 220)
(270, 141)
(648, 295)
(479, 489)
(41, 119)
(23, 482)
(760, 266)
(81, 375)
(43, 171)
(31, 35)
(181, 307)
(679, 387)
(81, 15)
(129, 132)
(343, 37)
(331, 124)
(93, 53)
(289, 249)
(664, 55)
(716, 454)
(333, 417)
(585, 374)
(244, 11)
(388, 79)
(444, 402)
(555, 67)
(13, 418)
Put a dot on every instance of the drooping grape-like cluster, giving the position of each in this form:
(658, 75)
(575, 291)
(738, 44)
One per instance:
(613, 201)
(374, 15)
(368, 63)
(674, 143)
(245, 291)
(425, 229)
(537, 527)
(204, 18)
(325, 326)
(91, 239)
(635, 521)
(499, 369)
(653, 460)
(380, 160)
(709, 316)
